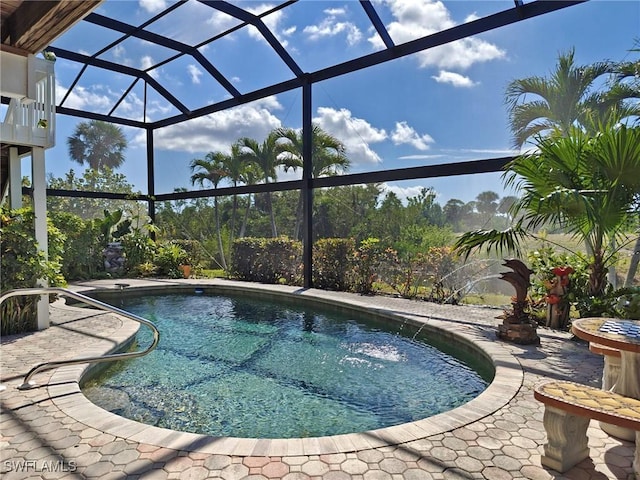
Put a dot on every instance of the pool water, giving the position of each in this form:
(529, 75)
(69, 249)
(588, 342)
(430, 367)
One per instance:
(244, 367)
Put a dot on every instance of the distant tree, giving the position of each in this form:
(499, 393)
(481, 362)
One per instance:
(97, 144)
(105, 180)
(455, 211)
(487, 204)
(424, 209)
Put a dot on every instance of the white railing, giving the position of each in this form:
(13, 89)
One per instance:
(30, 116)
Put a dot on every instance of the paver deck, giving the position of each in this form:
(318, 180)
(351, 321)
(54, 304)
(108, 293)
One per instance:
(53, 431)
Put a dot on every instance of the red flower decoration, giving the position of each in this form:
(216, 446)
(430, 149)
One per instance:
(553, 299)
(563, 271)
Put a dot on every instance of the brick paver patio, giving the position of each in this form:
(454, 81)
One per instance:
(52, 431)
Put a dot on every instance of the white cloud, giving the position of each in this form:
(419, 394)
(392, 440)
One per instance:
(454, 79)
(414, 20)
(356, 134)
(404, 134)
(420, 157)
(80, 98)
(271, 21)
(153, 6)
(220, 21)
(195, 73)
(219, 130)
(471, 17)
(331, 26)
(403, 193)
(493, 151)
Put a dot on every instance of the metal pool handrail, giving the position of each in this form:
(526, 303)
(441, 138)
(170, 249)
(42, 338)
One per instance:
(28, 383)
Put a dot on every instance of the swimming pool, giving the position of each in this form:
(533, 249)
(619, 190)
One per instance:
(248, 367)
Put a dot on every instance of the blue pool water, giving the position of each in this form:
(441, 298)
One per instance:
(242, 367)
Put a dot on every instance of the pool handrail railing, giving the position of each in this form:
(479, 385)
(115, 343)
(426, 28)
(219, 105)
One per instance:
(28, 383)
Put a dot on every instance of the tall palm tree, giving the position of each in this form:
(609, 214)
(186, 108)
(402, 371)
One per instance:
(266, 156)
(585, 183)
(212, 168)
(568, 98)
(328, 157)
(236, 171)
(98, 144)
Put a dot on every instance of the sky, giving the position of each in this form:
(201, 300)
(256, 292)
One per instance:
(441, 105)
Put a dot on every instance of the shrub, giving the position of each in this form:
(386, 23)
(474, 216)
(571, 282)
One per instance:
(82, 250)
(366, 262)
(405, 274)
(139, 249)
(267, 260)
(331, 261)
(195, 253)
(22, 265)
(447, 283)
(168, 259)
(542, 261)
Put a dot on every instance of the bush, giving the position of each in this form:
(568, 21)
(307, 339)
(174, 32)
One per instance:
(82, 250)
(332, 258)
(195, 252)
(140, 250)
(542, 261)
(267, 260)
(22, 265)
(366, 262)
(404, 274)
(168, 259)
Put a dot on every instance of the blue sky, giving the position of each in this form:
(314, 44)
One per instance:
(442, 105)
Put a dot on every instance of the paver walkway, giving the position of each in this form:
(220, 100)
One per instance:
(53, 432)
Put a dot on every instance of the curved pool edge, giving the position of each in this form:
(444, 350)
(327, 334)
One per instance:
(65, 392)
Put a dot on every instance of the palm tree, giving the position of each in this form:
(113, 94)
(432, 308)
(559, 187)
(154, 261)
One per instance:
(585, 183)
(213, 168)
(250, 175)
(266, 156)
(328, 157)
(98, 144)
(567, 98)
(236, 171)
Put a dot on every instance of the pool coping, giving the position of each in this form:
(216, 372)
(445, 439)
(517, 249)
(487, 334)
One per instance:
(64, 389)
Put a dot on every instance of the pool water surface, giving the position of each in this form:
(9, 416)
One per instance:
(245, 367)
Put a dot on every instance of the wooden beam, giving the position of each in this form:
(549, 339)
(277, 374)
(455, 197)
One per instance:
(34, 25)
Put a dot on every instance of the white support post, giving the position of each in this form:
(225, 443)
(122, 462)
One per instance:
(38, 174)
(15, 178)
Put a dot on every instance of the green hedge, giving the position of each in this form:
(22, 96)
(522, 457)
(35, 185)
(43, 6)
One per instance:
(267, 260)
(332, 263)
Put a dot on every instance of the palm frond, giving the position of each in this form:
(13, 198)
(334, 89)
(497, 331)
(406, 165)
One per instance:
(498, 241)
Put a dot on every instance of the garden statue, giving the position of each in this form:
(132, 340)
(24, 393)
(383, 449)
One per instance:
(517, 325)
(114, 258)
(557, 305)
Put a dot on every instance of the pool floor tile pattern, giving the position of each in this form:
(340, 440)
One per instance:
(52, 432)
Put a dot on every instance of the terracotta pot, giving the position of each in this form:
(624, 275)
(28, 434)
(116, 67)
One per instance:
(186, 270)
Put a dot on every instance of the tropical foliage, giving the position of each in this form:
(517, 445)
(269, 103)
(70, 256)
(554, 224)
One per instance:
(23, 265)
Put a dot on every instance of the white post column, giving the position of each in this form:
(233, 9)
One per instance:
(38, 174)
(15, 178)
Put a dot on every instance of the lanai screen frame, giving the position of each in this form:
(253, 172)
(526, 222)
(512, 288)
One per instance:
(303, 81)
